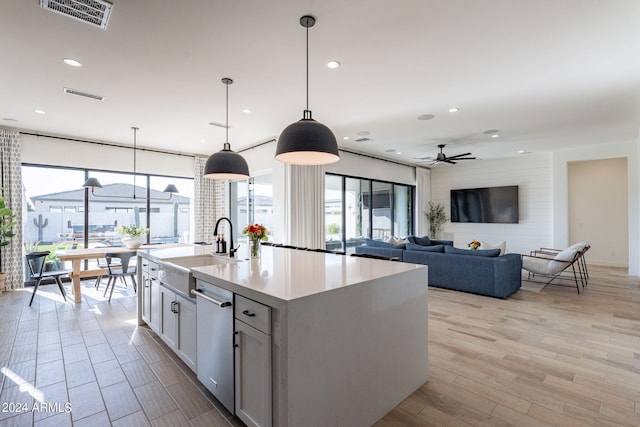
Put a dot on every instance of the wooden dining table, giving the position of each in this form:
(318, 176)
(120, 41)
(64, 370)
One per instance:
(76, 256)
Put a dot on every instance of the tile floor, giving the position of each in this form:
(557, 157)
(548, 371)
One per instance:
(89, 364)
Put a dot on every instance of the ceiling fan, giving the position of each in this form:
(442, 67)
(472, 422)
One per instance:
(442, 158)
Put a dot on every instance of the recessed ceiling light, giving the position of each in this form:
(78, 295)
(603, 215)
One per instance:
(247, 111)
(72, 62)
(345, 138)
(333, 64)
(495, 135)
(203, 140)
(524, 152)
(426, 117)
(38, 111)
(454, 110)
(399, 152)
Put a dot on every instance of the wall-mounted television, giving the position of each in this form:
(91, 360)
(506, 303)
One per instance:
(488, 205)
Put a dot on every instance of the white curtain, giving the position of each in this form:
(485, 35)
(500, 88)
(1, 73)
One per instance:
(11, 180)
(304, 210)
(208, 202)
(423, 197)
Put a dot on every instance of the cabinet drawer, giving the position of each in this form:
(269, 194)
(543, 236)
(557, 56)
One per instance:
(153, 268)
(253, 313)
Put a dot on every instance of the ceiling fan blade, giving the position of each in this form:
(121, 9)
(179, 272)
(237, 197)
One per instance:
(448, 160)
(457, 156)
(465, 158)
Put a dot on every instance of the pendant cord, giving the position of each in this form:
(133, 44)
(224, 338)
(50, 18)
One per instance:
(307, 68)
(227, 123)
(135, 132)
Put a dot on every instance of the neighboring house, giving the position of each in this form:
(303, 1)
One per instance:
(60, 216)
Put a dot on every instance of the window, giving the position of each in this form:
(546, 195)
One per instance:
(251, 202)
(53, 226)
(358, 208)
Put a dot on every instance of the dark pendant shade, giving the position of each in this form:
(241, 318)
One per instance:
(226, 164)
(307, 142)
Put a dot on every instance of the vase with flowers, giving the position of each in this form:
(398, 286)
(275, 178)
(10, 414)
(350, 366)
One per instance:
(474, 244)
(256, 233)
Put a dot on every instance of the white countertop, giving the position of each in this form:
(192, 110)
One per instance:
(286, 274)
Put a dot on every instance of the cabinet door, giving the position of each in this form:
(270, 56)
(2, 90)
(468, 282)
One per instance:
(253, 375)
(186, 331)
(146, 297)
(168, 322)
(155, 304)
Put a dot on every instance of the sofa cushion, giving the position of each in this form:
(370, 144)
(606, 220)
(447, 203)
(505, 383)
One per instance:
(424, 241)
(432, 248)
(502, 246)
(476, 252)
(567, 255)
(381, 244)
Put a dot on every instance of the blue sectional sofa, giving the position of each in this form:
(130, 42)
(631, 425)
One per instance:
(482, 272)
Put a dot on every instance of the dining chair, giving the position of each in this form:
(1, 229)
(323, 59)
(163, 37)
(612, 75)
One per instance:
(36, 262)
(119, 266)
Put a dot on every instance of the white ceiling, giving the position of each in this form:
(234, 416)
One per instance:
(547, 74)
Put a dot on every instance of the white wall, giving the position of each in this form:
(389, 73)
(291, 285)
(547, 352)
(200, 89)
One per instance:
(533, 175)
(561, 204)
(366, 167)
(598, 209)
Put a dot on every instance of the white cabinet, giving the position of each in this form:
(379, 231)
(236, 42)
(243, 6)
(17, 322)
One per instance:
(253, 362)
(178, 325)
(150, 294)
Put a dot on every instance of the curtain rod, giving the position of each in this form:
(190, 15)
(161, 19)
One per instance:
(108, 144)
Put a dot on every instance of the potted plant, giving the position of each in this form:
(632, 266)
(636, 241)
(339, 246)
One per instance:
(7, 221)
(135, 235)
(436, 217)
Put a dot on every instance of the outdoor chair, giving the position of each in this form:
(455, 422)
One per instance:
(558, 266)
(118, 266)
(36, 262)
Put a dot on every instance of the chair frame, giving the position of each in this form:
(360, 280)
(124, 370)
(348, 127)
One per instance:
(578, 276)
(39, 275)
(582, 262)
(120, 268)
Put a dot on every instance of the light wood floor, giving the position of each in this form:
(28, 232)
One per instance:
(548, 358)
(535, 359)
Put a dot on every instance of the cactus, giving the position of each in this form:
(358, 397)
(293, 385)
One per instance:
(136, 215)
(175, 219)
(41, 225)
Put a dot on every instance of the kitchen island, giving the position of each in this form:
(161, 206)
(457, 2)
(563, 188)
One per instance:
(320, 339)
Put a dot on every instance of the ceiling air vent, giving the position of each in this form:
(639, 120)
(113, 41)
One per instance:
(92, 12)
(85, 94)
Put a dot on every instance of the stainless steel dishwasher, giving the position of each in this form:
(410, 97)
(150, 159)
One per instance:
(214, 317)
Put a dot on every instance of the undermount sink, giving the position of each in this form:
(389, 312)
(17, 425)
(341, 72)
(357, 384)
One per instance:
(198, 260)
(176, 272)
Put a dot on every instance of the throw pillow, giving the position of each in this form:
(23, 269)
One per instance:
(381, 244)
(397, 240)
(424, 241)
(502, 246)
(432, 248)
(477, 252)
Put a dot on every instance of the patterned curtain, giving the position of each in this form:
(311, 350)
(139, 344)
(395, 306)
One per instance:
(11, 181)
(208, 202)
(304, 194)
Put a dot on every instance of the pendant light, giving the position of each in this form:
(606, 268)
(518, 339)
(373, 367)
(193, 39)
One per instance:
(307, 142)
(92, 183)
(226, 164)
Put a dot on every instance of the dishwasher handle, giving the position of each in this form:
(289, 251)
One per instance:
(200, 293)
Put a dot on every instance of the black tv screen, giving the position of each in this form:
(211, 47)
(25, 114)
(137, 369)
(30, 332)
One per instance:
(489, 205)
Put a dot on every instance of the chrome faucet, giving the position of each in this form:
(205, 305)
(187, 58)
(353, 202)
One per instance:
(232, 250)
